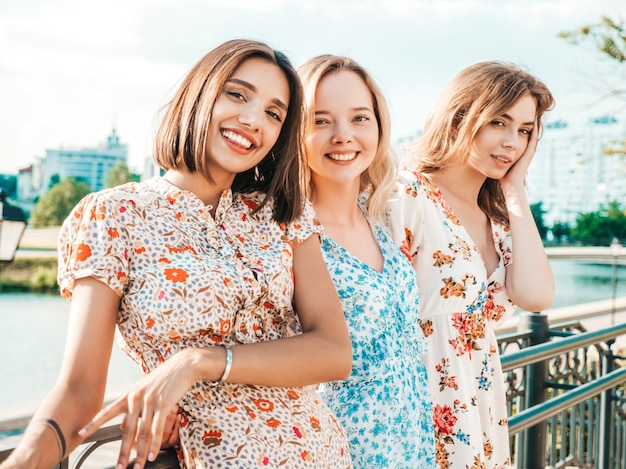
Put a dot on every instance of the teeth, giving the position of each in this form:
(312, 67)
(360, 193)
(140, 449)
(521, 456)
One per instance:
(342, 156)
(503, 160)
(238, 139)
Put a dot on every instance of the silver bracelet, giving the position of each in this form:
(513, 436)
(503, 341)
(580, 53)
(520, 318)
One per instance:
(229, 364)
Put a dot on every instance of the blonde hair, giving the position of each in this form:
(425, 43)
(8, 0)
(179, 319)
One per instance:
(476, 96)
(379, 178)
(181, 139)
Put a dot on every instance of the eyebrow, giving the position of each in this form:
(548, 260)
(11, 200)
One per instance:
(506, 116)
(251, 87)
(355, 109)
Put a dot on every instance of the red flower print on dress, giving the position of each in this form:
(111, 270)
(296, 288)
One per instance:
(83, 252)
(443, 419)
(176, 275)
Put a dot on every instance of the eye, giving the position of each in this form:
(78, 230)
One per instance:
(526, 132)
(236, 95)
(362, 118)
(274, 116)
(497, 123)
(321, 121)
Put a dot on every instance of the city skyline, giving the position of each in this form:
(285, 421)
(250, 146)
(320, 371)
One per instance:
(71, 71)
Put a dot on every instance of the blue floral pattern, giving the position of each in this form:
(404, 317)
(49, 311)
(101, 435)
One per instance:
(384, 406)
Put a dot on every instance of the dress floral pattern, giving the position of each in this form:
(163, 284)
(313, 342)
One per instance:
(187, 279)
(384, 405)
(460, 307)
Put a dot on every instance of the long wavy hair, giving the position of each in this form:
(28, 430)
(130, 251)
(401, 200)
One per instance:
(476, 96)
(379, 178)
(181, 139)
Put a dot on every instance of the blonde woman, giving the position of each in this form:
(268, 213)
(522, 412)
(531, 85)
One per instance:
(384, 405)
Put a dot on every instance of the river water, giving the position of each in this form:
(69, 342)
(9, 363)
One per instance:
(33, 329)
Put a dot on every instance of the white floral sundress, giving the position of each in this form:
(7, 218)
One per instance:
(384, 406)
(460, 308)
(187, 279)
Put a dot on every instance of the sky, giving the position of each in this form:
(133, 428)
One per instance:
(72, 70)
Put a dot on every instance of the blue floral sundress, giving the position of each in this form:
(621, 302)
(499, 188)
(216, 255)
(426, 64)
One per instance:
(384, 406)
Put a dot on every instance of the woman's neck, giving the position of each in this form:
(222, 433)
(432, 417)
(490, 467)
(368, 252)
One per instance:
(209, 193)
(336, 204)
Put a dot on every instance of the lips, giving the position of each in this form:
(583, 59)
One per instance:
(341, 156)
(501, 159)
(237, 139)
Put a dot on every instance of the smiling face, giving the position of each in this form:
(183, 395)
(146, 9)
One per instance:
(247, 119)
(344, 139)
(501, 142)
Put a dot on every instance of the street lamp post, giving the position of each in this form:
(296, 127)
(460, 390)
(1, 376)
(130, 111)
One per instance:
(12, 225)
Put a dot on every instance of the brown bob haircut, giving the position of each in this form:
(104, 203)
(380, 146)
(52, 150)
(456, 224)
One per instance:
(181, 139)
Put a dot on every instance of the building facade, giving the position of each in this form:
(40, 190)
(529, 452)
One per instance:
(91, 165)
(572, 171)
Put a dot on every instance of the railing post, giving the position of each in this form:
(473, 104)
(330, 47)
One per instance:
(607, 425)
(534, 453)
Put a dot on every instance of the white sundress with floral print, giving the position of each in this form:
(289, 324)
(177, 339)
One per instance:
(384, 406)
(460, 307)
(188, 279)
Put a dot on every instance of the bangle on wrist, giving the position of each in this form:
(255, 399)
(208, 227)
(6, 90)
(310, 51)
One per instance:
(229, 364)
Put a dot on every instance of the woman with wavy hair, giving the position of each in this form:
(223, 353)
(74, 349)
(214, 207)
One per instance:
(462, 217)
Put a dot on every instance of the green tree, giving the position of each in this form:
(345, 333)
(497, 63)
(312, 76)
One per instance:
(9, 183)
(538, 213)
(608, 37)
(56, 204)
(600, 227)
(560, 231)
(120, 174)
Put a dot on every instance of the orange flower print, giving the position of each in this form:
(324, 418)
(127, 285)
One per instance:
(315, 423)
(164, 260)
(441, 259)
(171, 199)
(427, 327)
(232, 409)
(478, 464)
(83, 252)
(173, 334)
(121, 275)
(487, 449)
(212, 438)
(264, 405)
(150, 322)
(176, 275)
(274, 423)
(404, 249)
(293, 395)
(306, 456)
(224, 326)
(113, 233)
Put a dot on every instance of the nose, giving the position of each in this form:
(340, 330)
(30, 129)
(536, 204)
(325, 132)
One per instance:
(511, 139)
(342, 133)
(250, 116)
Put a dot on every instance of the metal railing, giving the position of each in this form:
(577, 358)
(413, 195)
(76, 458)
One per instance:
(565, 395)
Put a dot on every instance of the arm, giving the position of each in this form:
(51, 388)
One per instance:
(323, 352)
(529, 279)
(79, 391)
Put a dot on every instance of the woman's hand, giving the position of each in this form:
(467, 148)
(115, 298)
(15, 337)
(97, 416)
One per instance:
(151, 407)
(517, 173)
